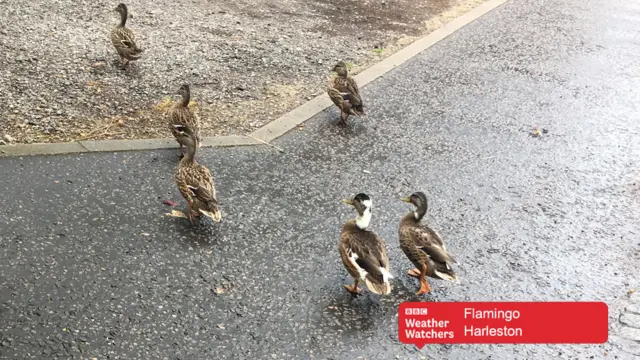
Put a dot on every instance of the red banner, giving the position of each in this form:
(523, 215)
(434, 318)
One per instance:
(422, 323)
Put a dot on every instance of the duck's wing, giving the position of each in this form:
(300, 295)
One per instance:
(366, 253)
(429, 241)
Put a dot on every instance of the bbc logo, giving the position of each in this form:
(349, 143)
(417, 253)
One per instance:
(416, 311)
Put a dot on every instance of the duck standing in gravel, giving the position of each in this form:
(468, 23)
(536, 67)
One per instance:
(181, 115)
(345, 94)
(423, 246)
(363, 252)
(124, 40)
(195, 181)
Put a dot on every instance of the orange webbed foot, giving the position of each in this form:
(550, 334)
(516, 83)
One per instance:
(414, 273)
(354, 289)
(424, 288)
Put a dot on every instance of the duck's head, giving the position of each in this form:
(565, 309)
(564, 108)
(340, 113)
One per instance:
(121, 8)
(184, 90)
(419, 200)
(341, 68)
(362, 203)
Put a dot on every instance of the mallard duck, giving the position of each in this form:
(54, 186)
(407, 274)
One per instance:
(423, 245)
(363, 252)
(343, 103)
(181, 114)
(195, 181)
(344, 92)
(124, 40)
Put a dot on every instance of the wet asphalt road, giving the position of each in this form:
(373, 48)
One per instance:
(91, 267)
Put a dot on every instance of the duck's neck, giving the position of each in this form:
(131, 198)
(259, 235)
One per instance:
(362, 221)
(189, 156)
(419, 212)
(123, 17)
(186, 97)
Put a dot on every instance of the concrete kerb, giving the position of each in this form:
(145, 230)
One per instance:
(117, 145)
(274, 129)
(291, 120)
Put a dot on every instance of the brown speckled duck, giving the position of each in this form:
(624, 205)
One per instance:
(195, 181)
(344, 93)
(181, 114)
(124, 40)
(363, 252)
(423, 246)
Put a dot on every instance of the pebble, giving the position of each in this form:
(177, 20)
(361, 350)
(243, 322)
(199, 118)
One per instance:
(8, 138)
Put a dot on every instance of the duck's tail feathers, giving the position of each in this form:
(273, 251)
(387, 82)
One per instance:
(136, 53)
(212, 210)
(446, 275)
(379, 284)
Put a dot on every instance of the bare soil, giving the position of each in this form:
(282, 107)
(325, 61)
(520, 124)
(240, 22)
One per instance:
(248, 61)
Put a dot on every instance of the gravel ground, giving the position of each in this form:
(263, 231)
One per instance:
(248, 61)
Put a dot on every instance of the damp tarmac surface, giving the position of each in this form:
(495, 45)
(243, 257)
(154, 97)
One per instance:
(91, 267)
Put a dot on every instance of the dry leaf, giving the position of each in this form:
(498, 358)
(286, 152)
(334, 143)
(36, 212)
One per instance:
(170, 203)
(538, 132)
(219, 290)
(221, 326)
(177, 213)
(631, 291)
(146, 234)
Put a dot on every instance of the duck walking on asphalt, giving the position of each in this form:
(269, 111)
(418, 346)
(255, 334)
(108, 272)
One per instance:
(181, 117)
(344, 93)
(124, 40)
(363, 252)
(423, 246)
(195, 181)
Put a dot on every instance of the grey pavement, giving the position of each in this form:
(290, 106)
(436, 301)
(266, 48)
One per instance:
(628, 333)
(91, 267)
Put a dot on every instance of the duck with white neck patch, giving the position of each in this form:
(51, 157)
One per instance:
(423, 246)
(363, 252)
